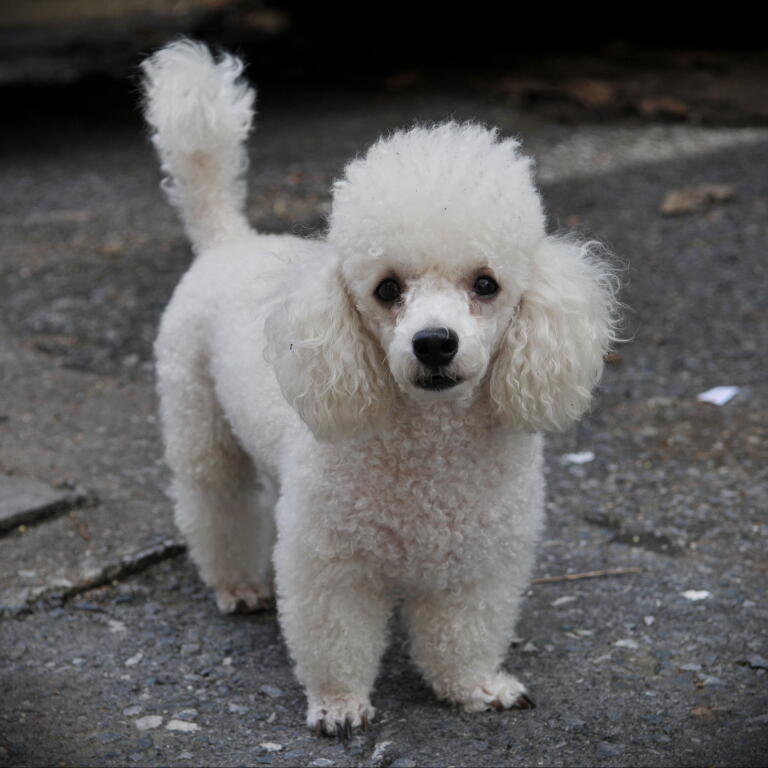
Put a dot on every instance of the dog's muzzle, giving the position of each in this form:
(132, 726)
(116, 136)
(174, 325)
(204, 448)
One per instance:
(435, 348)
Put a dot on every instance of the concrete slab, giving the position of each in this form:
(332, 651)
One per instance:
(24, 500)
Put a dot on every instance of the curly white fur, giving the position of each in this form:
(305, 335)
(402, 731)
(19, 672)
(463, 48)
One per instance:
(292, 397)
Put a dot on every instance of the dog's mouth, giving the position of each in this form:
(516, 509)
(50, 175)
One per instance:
(436, 382)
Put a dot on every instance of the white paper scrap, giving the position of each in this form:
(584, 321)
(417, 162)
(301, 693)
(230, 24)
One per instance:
(697, 594)
(718, 395)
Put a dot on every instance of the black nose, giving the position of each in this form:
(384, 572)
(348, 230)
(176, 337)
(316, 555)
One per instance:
(435, 347)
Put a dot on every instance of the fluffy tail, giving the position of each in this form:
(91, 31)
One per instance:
(201, 112)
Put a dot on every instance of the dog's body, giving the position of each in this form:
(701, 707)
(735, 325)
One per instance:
(377, 394)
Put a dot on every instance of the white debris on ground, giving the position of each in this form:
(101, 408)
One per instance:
(718, 395)
(697, 594)
(149, 722)
(182, 726)
(563, 600)
(581, 457)
(271, 746)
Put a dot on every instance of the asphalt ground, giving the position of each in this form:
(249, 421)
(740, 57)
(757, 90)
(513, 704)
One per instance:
(107, 637)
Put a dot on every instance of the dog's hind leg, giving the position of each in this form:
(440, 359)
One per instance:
(222, 505)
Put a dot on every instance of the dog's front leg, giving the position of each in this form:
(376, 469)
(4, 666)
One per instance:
(459, 638)
(334, 619)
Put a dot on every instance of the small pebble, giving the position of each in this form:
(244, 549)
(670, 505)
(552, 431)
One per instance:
(182, 726)
(148, 722)
(321, 762)
(237, 709)
(145, 742)
(186, 714)
(271, 746)
(627, 642)
(563, 600)
(403, 762)
(379, 749)
(757, 662)
(132, 711)
(604, 749)
(134, 660)
(190, 649)
(271, 691)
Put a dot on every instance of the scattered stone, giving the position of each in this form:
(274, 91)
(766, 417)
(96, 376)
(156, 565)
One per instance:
(563, 600)
(709, 680)
(605, 749)
(627, 642)
(190, 649)
(148, 722)
(145, 742)
(691, 667)
(271, 746)
(184, 756)
(272, 691)
(529, 647)
(133, 710)
(648, 621)
(186, 714)
(237, 709)
(403, 762)
(115, 625)
(691, 199)
(757, 662)
(379, 751)
(134, 660)
(182, 726)
(321, 762)
(702, 712)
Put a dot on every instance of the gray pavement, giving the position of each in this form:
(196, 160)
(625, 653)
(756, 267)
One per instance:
(112, 653)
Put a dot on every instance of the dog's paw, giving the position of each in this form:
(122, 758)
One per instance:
(244, 598)
(500, 691)
(339, 715)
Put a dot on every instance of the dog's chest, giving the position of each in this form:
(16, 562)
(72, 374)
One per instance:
(429, 501)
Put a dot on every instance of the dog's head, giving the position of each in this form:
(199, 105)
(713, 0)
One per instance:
(440, 283)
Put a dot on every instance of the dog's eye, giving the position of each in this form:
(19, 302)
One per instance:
(485, 286)
(388, 290)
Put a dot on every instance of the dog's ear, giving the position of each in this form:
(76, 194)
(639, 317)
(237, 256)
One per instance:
(329, 368)
(551, 356)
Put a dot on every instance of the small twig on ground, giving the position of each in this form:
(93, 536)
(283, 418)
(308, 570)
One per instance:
(587, 575)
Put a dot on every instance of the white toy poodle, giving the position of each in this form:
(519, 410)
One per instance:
(364, 410)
